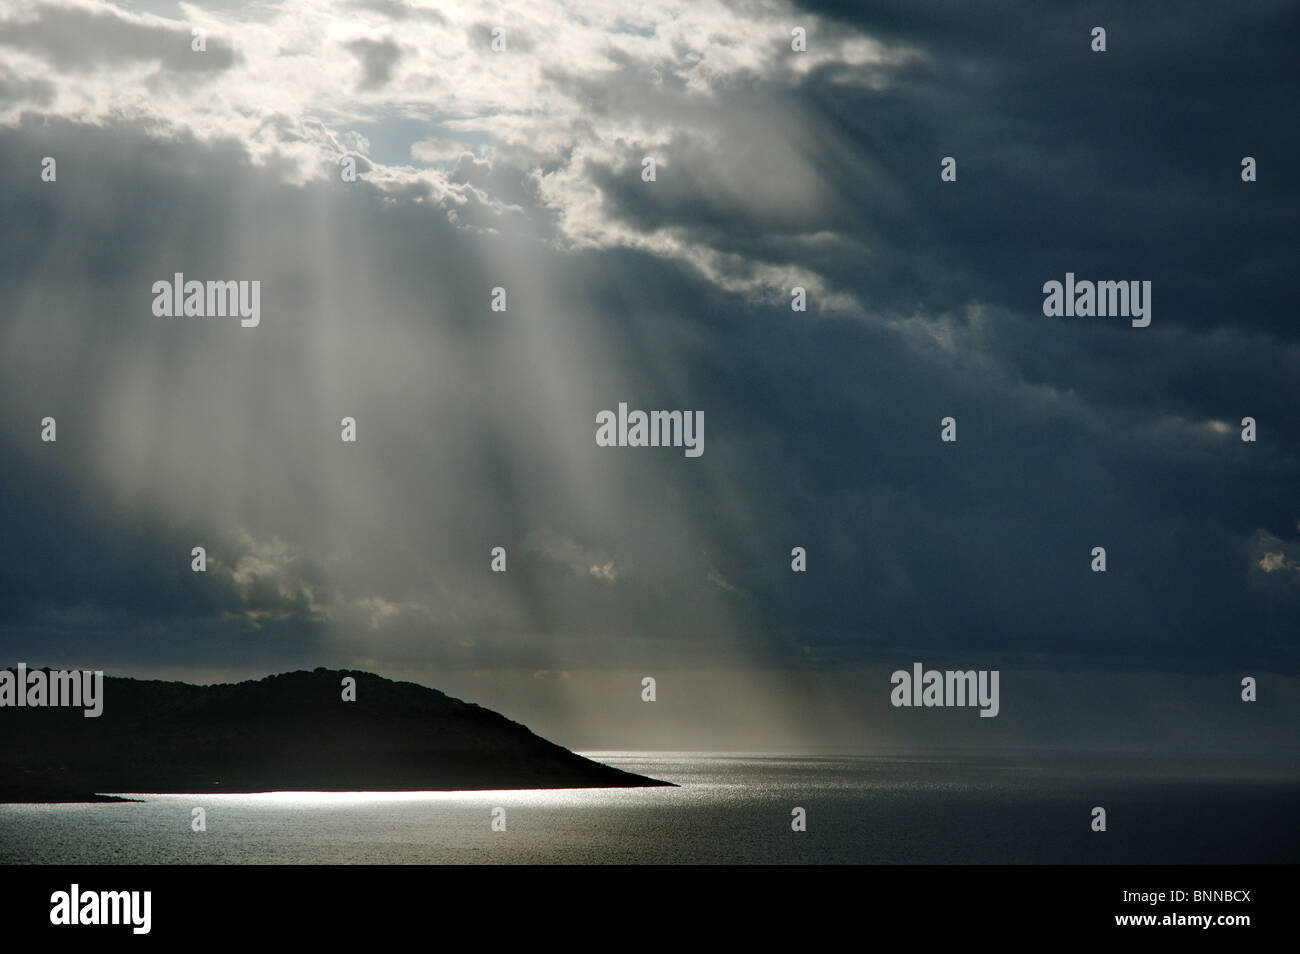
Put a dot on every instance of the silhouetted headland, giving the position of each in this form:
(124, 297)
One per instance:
(289, 732)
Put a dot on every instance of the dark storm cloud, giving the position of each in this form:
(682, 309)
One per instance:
(1124, 164)
(1128, 159)
(476, 428)
(1067, 159)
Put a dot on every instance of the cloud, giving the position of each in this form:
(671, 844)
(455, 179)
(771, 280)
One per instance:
(271, 582)
(72, 38)
(378, 60)
(1275, 560)
(436, 150)
(522, 170)
(383, 612)
(14, 89)
(579, 560)
(580, 91)
(398, 10)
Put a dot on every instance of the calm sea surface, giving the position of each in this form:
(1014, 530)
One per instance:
(729, 808)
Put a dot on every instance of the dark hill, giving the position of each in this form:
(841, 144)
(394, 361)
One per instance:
(290, 732)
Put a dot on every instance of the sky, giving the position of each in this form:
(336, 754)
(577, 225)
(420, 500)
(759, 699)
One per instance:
(522, 168)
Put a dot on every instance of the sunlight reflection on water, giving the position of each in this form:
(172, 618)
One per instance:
(729, 808)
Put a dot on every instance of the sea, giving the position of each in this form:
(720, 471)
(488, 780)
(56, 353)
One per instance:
(728, 808)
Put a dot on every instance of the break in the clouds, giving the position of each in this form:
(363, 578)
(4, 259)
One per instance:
(522, 169)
